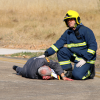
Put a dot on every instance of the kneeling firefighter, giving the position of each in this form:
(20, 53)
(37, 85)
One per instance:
(81, 48)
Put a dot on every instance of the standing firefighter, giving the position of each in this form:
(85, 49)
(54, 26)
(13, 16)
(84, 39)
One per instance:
(81, 48)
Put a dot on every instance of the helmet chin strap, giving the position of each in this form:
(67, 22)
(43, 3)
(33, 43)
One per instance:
(75, 26)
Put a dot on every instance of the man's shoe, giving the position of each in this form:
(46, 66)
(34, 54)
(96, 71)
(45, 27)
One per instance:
(14, 67)
(68, 74)
(92, 72)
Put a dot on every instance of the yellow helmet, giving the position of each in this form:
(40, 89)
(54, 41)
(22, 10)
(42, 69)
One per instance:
(72, 14)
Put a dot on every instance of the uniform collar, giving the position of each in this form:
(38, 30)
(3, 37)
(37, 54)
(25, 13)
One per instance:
(77, 28)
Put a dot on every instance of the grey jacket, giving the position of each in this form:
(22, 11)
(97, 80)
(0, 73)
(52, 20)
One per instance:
(30, 69)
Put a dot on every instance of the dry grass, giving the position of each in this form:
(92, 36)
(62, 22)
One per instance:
(36, 24)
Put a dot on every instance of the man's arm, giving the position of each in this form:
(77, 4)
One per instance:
(56, 46)
(91, 43)
(58, 70)
(54, 65)
(65, 78)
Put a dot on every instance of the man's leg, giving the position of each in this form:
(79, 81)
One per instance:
(65, 57)
(83, 72)
(23, 71)
(19, 70)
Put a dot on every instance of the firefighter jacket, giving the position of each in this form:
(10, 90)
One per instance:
(30, 69)
(81, 43)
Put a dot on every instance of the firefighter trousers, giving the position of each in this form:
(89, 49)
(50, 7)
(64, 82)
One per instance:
(65, 57)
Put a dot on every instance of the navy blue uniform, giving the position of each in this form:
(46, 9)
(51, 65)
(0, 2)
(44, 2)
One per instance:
(81, 44)
(30, 69)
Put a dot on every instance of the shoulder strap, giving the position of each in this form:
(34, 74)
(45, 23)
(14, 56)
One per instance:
(77, 34)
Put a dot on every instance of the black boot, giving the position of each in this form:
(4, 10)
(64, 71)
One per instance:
(92, 71)
(14, 67)
(68, 74)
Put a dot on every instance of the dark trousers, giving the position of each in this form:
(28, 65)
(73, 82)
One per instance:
(23, 71)
(65, 56)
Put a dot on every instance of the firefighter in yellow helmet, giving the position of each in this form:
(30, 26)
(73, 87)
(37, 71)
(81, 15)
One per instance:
(81, 48)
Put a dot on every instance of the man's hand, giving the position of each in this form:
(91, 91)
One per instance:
(67, 79)
(46, 77)
(80, 63)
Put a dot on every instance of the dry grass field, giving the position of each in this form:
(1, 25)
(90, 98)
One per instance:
(36, 24)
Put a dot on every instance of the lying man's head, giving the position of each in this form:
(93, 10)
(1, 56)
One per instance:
(45, 72)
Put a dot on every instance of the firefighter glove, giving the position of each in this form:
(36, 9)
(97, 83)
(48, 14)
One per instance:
(80, 63)
(42, 56)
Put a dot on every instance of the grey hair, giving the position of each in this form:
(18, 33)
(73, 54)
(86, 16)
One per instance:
(46, 68)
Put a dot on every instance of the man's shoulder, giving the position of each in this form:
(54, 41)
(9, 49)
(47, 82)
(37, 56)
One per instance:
(84, 27)
(66, 31)
(85, 30)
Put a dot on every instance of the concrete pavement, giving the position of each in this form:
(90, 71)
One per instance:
(14, 87)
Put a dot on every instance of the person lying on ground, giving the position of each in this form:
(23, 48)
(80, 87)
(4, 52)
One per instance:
(41, 68)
